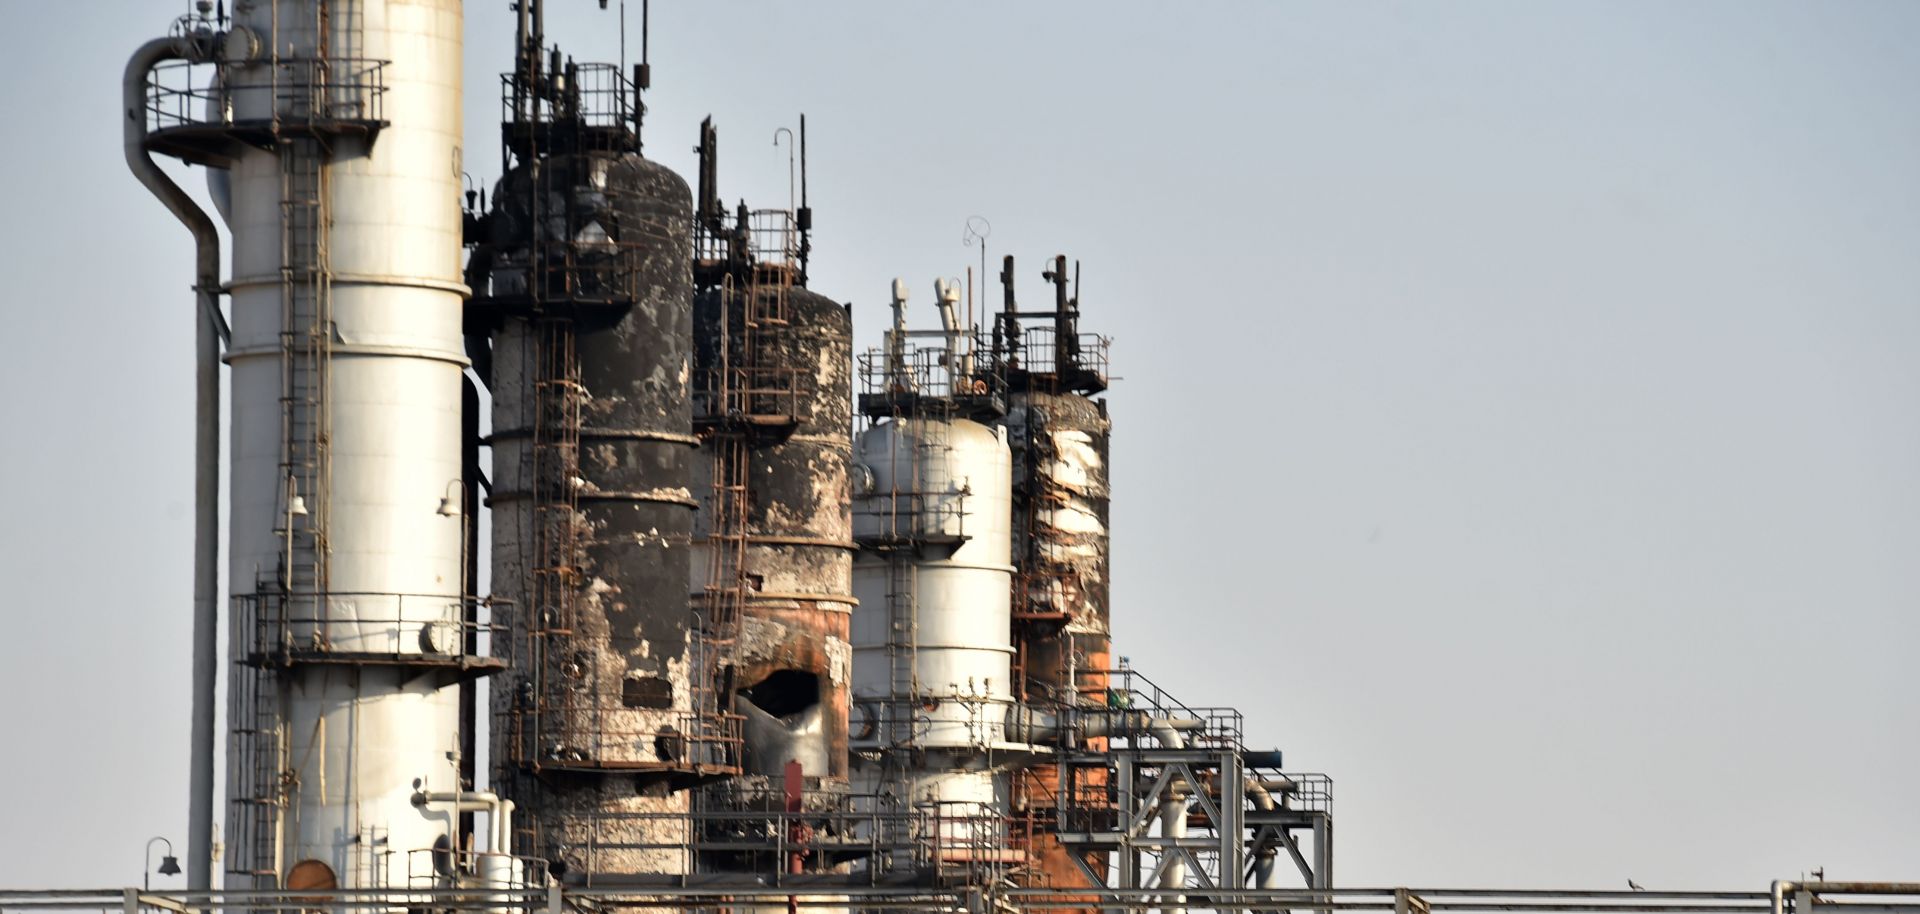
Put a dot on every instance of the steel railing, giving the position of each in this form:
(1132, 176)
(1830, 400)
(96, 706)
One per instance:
(311, 91)
(747, 892)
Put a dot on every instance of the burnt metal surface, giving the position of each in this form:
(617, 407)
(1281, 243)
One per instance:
(1061, 625)
(1062, 632)
(1061, 542)
(791, 659)
(599, 721)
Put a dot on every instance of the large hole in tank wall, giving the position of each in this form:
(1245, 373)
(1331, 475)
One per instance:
(784, 723)
(784, 693)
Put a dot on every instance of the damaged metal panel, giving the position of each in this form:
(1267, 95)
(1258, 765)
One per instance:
(791, 660)
(1061, 603)
(598, 721)
(1061, 498)
(1061, 610)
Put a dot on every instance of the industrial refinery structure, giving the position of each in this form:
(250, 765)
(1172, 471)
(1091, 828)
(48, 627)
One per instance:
(768, 623)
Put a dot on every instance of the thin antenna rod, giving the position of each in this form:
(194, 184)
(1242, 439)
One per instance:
(803, 217)
(642, 71)
(523, 59)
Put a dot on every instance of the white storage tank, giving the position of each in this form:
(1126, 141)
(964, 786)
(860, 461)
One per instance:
(931, 644)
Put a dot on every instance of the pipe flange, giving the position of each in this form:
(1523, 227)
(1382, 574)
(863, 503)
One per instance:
(240, 46)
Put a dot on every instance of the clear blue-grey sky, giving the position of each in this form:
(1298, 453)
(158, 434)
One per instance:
(1518, 414)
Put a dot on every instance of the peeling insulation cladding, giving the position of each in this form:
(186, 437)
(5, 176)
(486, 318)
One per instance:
(1060, 547)
(792, 661)
(1060, 542)
(592, 514)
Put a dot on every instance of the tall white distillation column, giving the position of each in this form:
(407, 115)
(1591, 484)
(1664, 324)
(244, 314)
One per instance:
(345, 562)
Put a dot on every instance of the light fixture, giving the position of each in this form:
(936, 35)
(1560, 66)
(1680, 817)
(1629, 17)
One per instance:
(451, 504)
(169, 865)
(296, 506)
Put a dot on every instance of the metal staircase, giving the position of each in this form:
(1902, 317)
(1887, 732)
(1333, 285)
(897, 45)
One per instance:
(1186, 805)
(256, 751)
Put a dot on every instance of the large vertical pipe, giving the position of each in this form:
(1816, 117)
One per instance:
(470, 584)
(206, 452)
(1173, 826)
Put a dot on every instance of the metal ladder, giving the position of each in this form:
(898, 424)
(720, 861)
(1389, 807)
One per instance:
(902, 645)
(297, 590)
(768, 385)
(724, 598)
(256, 744)
(306, 350)
(556, 561)
(749, 383)
(727, 583)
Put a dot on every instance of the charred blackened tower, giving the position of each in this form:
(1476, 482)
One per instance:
(583, 286)
(772, 402)
(1059, 434)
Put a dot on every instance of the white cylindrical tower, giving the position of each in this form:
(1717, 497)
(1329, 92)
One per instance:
(346, 561)
(931, 642)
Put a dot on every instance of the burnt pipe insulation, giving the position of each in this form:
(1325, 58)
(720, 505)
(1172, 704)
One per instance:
(593, 717)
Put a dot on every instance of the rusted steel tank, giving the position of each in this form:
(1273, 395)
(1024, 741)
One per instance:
(793, 441)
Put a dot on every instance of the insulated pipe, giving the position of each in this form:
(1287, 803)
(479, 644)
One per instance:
(946, 296)
(1265, 873)
(499, 812)
(1026, 724)
(206, 448)
(897, 338)
(1173, 818)
(496, 868)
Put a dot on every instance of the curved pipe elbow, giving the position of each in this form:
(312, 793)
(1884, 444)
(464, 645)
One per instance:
(133, 91)
(499, 811)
